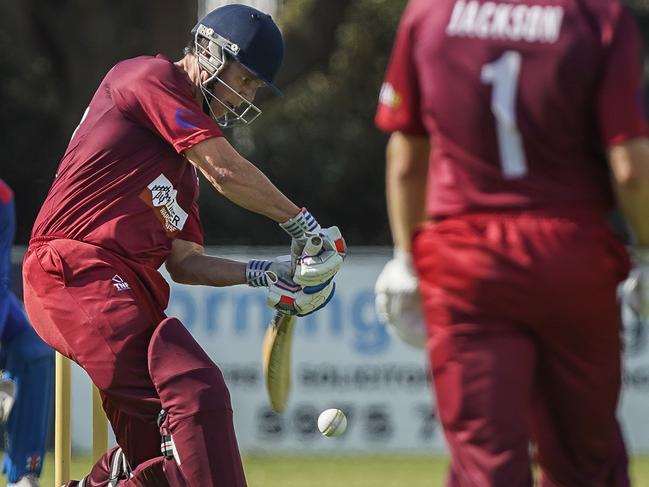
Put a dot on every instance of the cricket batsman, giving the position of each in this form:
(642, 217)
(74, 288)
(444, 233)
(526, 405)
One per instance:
(123, 203)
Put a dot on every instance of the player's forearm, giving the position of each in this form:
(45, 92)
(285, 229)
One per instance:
(239, 180)
(248, 187)
(630, 170)
(405, 210)
(406, 170)
(209, 271)
(188, 264)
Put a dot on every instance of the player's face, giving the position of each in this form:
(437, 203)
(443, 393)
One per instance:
(241, 81)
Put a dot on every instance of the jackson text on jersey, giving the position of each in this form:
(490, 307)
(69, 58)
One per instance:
(496, 20)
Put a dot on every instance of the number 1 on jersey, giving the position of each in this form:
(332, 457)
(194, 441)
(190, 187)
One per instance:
(502, 74)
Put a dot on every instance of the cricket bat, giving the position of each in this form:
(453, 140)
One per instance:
(276, 347)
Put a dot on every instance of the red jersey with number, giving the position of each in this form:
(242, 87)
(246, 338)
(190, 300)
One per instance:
(520, 99)
(123, 183)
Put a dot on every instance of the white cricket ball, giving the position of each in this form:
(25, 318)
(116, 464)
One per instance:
(332, 422)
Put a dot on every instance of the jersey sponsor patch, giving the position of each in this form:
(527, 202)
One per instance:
(161, 196)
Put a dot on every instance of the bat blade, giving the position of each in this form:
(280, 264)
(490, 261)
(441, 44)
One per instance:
(276, 359)
(276, 347)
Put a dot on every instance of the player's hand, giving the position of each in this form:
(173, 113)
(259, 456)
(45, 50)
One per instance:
(635, 289)
(397, 299)
(290, 298)
(7, 397)
(257, 270)
(312, 270)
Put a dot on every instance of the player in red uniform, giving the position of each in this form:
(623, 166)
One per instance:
(123, 203)
(502, 117)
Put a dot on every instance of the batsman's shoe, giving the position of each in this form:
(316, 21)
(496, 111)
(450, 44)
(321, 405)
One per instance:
(113, 465)
(7, 398)
(29, 480)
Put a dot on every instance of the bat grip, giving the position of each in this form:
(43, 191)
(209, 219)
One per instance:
(313, 246)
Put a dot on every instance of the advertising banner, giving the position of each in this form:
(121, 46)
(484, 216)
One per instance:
(343, 357)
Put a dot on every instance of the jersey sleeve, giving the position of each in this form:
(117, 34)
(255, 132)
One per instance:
(620, 103)
(398, 109)
(193, 229)
(6, 194)
(156, 94)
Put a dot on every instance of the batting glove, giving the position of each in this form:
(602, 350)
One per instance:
(257, 270)
(298, 227)
(635, 289)
(292, 299)
(313, 270)
(397, 299)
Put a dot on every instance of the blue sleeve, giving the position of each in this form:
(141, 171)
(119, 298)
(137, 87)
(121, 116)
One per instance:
(7, 232)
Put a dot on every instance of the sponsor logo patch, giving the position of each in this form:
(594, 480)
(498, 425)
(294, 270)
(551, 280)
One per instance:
(184, 117)
(119, 283)
(161, 196)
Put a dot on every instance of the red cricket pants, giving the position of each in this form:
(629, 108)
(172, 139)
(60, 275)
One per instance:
(524, 346)
(93, 307)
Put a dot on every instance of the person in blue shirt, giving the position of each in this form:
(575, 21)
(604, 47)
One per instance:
(27, 380)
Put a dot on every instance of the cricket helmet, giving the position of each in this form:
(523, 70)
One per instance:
(243, 34)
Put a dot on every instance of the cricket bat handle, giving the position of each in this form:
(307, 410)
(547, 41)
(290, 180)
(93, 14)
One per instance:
(313, 246)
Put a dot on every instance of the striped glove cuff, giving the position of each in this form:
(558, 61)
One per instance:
(256, 272)
(300, 224)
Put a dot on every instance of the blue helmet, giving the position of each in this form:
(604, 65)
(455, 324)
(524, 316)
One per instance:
(248, 36)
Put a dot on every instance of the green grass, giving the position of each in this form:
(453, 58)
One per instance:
(348, 471)
(332, 471)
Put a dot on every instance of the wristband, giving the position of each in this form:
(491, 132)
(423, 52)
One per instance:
(256, 272)
(300, 224)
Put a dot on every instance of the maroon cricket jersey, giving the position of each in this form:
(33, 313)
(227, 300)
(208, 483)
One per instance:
(519, 99)
(123, 183)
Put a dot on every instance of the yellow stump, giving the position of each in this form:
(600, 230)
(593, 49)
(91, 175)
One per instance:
(99, 427)
(62, 404)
